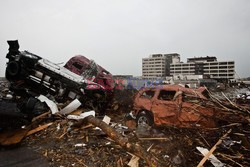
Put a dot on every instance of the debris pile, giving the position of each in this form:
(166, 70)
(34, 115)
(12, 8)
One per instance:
(69, 116)
(67, 142)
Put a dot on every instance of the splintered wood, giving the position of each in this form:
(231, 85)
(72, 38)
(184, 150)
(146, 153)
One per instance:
(123, 142)
(213, 148)
(39, 128)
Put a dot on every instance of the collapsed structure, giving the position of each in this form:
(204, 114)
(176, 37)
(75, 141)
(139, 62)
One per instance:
(71, 139)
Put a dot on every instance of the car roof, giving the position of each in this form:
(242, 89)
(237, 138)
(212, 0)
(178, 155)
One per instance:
(194, 92)
(84, 60)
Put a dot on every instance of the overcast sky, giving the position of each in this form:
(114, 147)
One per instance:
(117, 34)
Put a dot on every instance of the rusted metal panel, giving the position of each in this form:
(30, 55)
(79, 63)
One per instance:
(175, 109)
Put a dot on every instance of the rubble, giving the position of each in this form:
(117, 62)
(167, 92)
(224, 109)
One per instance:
(212, 158)
(213, 149)
(175, 105)
(169, 145)
(184, 131)
(71, 107)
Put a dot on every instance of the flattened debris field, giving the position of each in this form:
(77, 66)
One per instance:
(79, 114)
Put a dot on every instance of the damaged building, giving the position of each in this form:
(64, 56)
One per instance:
(165, 65)
(206, 67)
(158, 65)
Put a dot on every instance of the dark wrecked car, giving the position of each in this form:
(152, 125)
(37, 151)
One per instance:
(174, 105)
(93, 72)
(44, 77)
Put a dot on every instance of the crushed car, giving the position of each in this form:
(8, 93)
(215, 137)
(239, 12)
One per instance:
(93, 72)
(175, 105)
(41, 76)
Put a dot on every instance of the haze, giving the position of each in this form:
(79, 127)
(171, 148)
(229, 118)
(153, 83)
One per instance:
(117, 34)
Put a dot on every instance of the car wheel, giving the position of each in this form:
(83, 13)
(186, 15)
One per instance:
(144, 118)
(12, 69)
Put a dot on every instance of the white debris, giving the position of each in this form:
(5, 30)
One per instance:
(80, 145)
(58, 127)
(9, 96)
(212, 158)
(71, 107)
(113, 124)
(122, 127)
(134, 161)
(106, 119)
(81, 116)
(50, 103)
(166, 156)
(248, 93)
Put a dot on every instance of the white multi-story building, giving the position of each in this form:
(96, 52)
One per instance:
(207, 66)
(162, 65)
(158, 65)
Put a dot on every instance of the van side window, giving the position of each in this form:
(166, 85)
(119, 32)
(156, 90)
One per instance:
(166, 95)
(148, 94)
(77, 65)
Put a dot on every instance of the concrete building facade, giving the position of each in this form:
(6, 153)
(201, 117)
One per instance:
(158, 65)
(162, 65)
(209, 67)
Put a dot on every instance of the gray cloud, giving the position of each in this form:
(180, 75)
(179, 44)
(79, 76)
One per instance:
(117, 34)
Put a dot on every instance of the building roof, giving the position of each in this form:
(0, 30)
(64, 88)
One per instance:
(207, 58)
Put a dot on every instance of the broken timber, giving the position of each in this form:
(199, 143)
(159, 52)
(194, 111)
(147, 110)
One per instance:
(213, 148)
(123, 142)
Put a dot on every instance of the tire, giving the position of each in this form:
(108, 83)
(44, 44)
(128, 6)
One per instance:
(144, 118)
(12, 70)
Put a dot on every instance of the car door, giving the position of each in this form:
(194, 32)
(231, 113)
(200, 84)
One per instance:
(145, 99)
(165, 107)
(194, 114)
